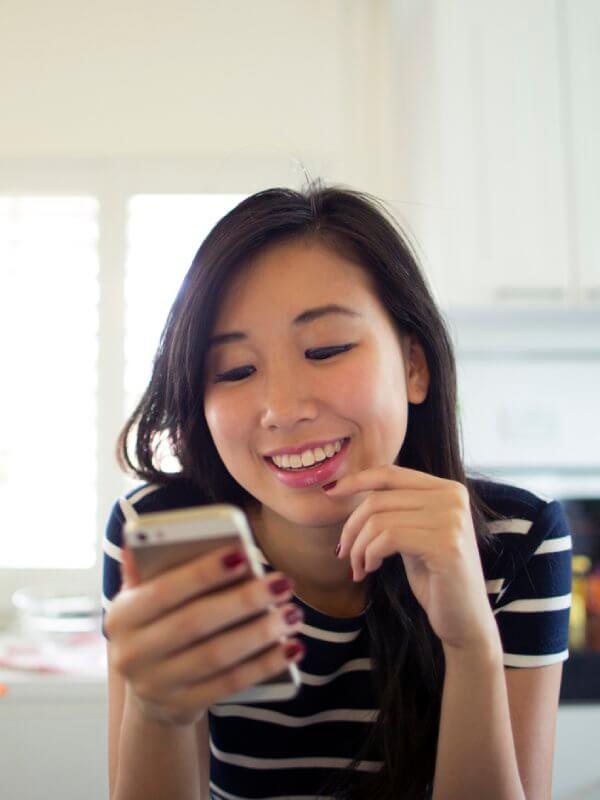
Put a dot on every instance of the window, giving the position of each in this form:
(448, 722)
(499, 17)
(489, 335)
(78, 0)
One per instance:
(89, 267)
(163, 235)
(48, 345)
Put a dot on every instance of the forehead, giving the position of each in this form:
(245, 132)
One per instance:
(294, 276)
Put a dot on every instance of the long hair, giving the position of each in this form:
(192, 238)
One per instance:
(408, 663)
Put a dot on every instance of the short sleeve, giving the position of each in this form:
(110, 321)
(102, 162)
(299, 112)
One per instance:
(111, 571)
(532, 610)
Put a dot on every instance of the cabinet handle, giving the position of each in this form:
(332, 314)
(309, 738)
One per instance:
(507, 293)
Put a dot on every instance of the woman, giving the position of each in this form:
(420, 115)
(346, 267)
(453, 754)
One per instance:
(304, 331)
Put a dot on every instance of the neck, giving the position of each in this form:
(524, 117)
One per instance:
(307, 556)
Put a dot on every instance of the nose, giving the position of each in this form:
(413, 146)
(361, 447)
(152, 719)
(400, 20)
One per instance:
(286, 401)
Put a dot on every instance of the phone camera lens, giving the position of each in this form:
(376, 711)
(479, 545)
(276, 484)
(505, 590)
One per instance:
(142, 537)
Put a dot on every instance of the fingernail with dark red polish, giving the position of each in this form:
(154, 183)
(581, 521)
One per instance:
(234, 559)
(293, 649)
(327, 486)
(281, 585)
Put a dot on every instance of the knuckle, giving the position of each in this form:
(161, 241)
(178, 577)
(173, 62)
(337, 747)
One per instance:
(109, 625)
(144, 689)
(191, 626)
(275, 660)
(269, 663)
(387, 537)
(211, 659)
(205, 573)
(123, 661)
(460, 492)
(454, 546)
(383, 541)
(371, 525)
(456, 518)
(234, 680)
(370, 503)
(272, 625)
(252, 594)
(157, 593)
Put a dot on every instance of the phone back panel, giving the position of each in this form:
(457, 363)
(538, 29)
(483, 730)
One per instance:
(167, 539)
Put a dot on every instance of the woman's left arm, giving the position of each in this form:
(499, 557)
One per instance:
(497, 729)
(533, 696)
(494, 724)
(476, 752)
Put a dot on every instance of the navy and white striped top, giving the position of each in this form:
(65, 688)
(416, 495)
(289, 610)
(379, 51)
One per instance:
(287, 749)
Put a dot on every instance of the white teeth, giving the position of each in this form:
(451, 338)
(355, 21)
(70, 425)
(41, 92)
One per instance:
(308, 457)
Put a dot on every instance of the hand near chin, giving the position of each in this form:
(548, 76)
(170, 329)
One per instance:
(427, 520)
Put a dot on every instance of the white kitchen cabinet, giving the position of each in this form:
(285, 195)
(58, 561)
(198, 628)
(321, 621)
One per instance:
(54, 734)
(496, 163)
(513, 414)
(504, 225)
(528, 389)
(576, 766)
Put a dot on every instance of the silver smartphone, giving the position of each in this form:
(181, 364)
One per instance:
(162, 540)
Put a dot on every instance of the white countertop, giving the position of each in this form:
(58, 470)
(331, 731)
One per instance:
(38, 669)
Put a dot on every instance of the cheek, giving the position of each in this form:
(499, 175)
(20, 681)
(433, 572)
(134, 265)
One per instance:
(223, 422)
(378, 400)
(370, 389)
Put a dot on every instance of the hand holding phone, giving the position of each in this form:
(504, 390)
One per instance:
(197, 632)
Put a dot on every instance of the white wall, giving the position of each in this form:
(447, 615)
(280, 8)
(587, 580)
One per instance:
(193, 78)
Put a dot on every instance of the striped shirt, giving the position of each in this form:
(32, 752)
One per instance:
(287, 749)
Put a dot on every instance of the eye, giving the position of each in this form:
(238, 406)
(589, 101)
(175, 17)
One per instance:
(319, 354)
(232, 375)
(328, 352)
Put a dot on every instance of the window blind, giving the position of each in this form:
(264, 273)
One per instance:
(49, 294)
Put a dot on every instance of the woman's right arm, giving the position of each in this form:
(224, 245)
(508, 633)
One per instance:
(179, 765)
(190, 637)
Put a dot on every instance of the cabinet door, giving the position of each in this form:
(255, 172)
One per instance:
(503, 175)
(513, 413)
(54, 749)
(581, 23)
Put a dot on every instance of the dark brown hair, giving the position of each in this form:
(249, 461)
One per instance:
(408, 658)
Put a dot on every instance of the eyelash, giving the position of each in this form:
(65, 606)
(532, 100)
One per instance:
(331, 351)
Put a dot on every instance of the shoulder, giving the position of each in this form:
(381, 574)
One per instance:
(508, 499)
(142, 499)
(528, 575)
(147, 498)
(528, 524)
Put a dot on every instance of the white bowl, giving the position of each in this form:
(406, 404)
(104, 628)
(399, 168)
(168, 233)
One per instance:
(49, 609)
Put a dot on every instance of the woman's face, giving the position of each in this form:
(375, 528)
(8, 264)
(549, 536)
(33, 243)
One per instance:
(276, 395)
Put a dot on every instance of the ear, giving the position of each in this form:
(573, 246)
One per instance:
(416, 369)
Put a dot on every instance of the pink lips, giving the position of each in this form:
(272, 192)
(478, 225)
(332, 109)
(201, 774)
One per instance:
(303, 478)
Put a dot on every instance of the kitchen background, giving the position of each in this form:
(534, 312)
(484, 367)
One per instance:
(128, 128)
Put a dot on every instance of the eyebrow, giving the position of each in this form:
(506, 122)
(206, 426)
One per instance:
(309, 315)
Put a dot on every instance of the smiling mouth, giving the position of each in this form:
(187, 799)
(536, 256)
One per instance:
(316, 465)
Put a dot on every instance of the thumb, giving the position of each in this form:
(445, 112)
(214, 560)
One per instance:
(130, 576)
